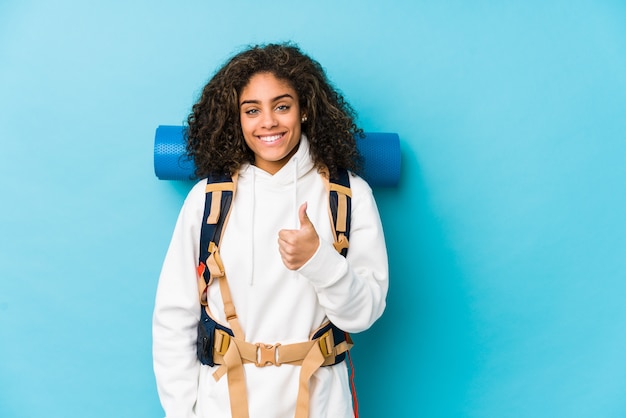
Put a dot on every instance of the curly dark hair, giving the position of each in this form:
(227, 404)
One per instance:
(214, 138)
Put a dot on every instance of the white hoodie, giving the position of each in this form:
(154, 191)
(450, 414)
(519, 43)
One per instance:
(274, 304)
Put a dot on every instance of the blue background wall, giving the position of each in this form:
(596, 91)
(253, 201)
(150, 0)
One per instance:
(506, 237)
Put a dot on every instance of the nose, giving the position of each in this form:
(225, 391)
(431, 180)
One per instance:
(268, 120)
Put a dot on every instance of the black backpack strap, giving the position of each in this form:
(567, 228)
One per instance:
(340, 206)
(219, 193)
(220, 190)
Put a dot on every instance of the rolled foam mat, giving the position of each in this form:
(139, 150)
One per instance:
(381, 156)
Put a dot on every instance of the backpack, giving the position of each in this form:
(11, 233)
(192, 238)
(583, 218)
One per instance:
(226, 346)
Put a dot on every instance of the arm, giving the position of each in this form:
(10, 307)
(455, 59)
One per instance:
(176, 315)
(353, 290)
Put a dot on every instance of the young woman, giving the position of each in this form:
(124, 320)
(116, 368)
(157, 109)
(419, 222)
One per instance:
(271, 119)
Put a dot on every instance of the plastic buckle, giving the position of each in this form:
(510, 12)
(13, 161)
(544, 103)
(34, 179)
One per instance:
(215, 265)
(341, 243)
(326, 344)
(222, 342)
(266, 354)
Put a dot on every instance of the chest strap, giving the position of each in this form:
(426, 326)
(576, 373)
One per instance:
(277, 354)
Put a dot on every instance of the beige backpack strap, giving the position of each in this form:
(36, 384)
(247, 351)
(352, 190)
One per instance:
(237, 391)
(313, 361)
(232, 353)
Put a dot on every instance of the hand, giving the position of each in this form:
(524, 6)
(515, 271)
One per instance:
(297, 246)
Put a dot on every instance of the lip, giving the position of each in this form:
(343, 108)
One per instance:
(271, 138)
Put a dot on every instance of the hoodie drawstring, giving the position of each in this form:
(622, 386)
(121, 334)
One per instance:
(295, 194)
(252, 209)
(296, 218)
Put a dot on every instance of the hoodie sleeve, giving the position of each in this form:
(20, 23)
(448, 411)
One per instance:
(353, 290)
(176, 314)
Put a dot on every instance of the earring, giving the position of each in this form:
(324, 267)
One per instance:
(303, 118)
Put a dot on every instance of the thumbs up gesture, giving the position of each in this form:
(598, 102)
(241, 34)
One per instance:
(297, 246)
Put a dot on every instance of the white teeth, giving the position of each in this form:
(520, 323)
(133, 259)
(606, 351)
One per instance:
(271, 138)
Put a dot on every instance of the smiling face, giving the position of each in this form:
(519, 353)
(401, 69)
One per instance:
(270, 120)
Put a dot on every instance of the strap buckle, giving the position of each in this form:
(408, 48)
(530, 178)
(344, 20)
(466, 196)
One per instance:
(326, 343)
(341, 243)
(266, 354)
(214, 263)
(222, 341)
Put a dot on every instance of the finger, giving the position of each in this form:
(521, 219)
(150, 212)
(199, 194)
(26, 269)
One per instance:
(286, 242)
(304, 218)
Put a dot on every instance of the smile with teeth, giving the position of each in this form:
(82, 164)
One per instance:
(270, 138)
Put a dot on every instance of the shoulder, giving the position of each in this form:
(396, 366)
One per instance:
(363, 200)
(359, 186)
(196, 196)
(198, 189)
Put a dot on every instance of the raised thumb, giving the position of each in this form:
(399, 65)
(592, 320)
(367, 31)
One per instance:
(304, 218)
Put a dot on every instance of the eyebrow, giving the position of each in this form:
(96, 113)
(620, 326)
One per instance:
(275, 99)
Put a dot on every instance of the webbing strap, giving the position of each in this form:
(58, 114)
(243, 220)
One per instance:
(292, 354)
(233, 352)
(233, 367)
(311, 363)
(216, 267)
(236, 382)
(342, 209)
(216, 199)
(342, 205)
(219, 192)
(229, 309)
(214, 213)
(339, 207)
(224, 184)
